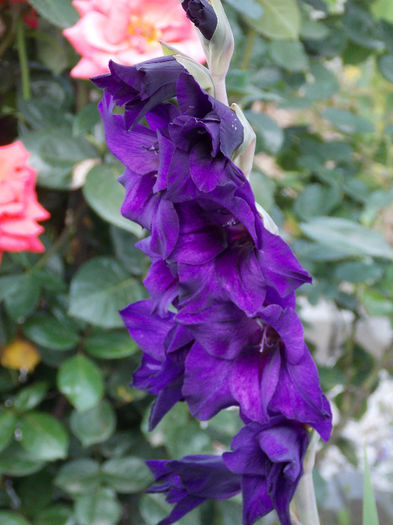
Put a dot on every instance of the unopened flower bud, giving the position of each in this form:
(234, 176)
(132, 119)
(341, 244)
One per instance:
(217, 38)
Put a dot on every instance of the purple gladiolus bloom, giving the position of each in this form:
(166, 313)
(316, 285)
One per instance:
(165, 346)
(202, 14)
(269, 458)
(192, 480)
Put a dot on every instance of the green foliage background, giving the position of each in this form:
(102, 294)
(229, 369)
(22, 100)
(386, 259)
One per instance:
(315, 78)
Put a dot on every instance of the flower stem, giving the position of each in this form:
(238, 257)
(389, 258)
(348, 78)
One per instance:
(305, 505)
(248, 49)
(24, 67)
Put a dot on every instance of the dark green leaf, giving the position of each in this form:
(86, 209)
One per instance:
(85, 120)
(100, 289)
(35, 492)
(43, 436)
(98, 508)
(358, 272)
(15, 461)
(12, 518)
(30, 396)
(279, 19)
(105, 196)
(154, 508)
(127, 474)
(251, 8)
(55, 515)
(322, 83)
(7, 427)
(110, 345)
(95, 425)
(269, 134)
(316, 200)
(50, 333)
(78, 476)
(81, 381)
(21, 294)
(59, 12)
(54, 153)
(289, 55)
(376, 303)
(385, 64)
(348, 237)
(348, 122)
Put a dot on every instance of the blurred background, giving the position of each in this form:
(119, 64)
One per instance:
(315, 78)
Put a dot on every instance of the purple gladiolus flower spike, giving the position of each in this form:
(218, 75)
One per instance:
(192, 480)
(269, 458)
(220, 328)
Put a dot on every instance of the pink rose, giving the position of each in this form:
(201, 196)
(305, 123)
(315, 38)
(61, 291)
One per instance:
(128, 31)
(19, 208)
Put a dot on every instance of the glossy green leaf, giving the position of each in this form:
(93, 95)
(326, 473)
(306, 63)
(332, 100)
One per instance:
(7, 427)
(110, 345)
(98, 508)
(60, 13)
(43, 436)
(105, 195)
(21, 293)
(251, 8)
(127, 474)
(50, 333)
(15, 461)
(79, 476)
(81, 381)
(95, 425)
(30, 396)
(12, 518)
(280, 19)
(100, 289)
(370, 513)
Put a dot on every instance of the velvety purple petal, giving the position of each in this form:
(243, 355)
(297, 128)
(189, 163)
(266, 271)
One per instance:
(206, 172)
(206, 383)
(191, 98)
(299, 396)
(161, 285)
(229, 330)
(199, 247)
(166, 149)
(280, 264)
(183, 507)
(239, 273)
(165, 231)
(137, 149)
(140, 203)
(256, 501)
(166, 399)
(245, 385)
(147, 329)
(289, 327)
